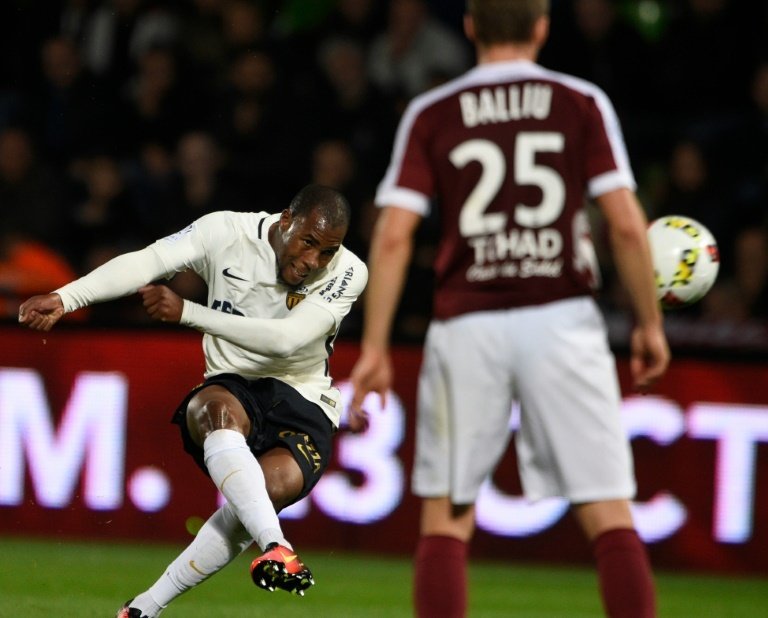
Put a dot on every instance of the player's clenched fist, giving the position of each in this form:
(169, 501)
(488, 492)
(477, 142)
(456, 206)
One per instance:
(41, 312)
(162, 303)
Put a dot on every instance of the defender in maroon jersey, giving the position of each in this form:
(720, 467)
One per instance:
(509, 153)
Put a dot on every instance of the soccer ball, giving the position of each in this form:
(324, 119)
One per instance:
(685, 260)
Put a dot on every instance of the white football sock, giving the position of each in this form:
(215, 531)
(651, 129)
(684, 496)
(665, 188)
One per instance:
(221, 539)
(148, 606)
(240, 478)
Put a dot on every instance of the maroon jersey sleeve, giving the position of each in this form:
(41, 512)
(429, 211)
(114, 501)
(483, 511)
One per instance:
(508, 153)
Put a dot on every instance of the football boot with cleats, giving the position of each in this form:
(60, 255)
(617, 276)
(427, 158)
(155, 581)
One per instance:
(280, 567)
(126, 611)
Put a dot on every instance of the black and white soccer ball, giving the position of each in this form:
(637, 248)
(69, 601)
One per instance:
(685, 260)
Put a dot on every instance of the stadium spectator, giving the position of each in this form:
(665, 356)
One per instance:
(73, 16)
(151, 180)
(751, 271)
(599, 44)
(691, 190)
(354, 108)
(156, 101)
(30, 190)
(743, 159)
(202, 43)
(702, 88)
(262, 423)
(100, 223)
(119, 32)
(71, 114)
(508, 152)
(605, 49)
(264, 128)
(245, 27)
(415, 47)
(202, 185)
(356, 20)
(333, 165)
(740, 293)
(23, 30)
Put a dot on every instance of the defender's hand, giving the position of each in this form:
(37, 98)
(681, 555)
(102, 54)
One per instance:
(372, 372)
(650, 356)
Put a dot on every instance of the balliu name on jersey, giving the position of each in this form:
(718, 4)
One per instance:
(505, 103)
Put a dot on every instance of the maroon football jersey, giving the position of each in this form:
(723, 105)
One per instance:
(508, 153)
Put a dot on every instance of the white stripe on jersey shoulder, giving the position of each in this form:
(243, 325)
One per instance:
(491, 73)
(251, 225)
(523, 69)
(399, 197)
(623, 177)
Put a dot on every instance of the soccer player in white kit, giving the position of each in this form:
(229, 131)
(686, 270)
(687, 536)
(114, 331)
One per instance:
(508, 153)
(261, 424)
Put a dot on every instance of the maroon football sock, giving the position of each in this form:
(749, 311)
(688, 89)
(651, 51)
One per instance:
(440, 578)
(624, 573)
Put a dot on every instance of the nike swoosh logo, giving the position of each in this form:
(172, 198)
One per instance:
(226, 273)
(226, 478)
(288, 559)
(193, 566)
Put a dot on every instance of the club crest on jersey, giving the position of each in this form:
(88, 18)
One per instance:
(293, 298)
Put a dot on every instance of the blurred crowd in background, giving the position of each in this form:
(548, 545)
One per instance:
(121, 121)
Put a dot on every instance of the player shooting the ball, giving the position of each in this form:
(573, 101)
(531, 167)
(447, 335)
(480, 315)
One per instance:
(262, 422)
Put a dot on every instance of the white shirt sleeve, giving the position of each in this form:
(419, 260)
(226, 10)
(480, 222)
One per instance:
(126, 273)
(278, 337)
(118, 277)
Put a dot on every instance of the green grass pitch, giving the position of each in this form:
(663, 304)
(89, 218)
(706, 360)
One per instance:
(90, 580)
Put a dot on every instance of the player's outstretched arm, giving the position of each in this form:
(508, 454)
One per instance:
(41, 312)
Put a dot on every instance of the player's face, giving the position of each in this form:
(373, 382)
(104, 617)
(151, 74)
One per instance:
(304, 245)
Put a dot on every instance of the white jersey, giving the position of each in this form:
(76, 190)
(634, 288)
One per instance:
(231, 252)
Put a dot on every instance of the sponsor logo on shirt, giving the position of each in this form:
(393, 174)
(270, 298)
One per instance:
(336, 288)
(178, 235)
(227, 273)
(225, 307)
(517, 253)
(328, 400)
(293, 298)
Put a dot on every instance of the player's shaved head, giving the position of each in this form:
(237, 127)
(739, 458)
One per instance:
(505, 21)
(331, 206)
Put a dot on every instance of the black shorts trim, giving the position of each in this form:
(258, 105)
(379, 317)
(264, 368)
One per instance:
(279, 415)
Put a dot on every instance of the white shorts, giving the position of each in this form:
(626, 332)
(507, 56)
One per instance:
(555, 360)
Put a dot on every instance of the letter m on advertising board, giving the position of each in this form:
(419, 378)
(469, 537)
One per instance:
(90, 437)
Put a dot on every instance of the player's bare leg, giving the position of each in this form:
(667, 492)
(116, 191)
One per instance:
(440, 578)
(256, 489)
(623, 568)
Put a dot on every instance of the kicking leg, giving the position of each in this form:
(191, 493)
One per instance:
(221, 539)
(255, 489)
